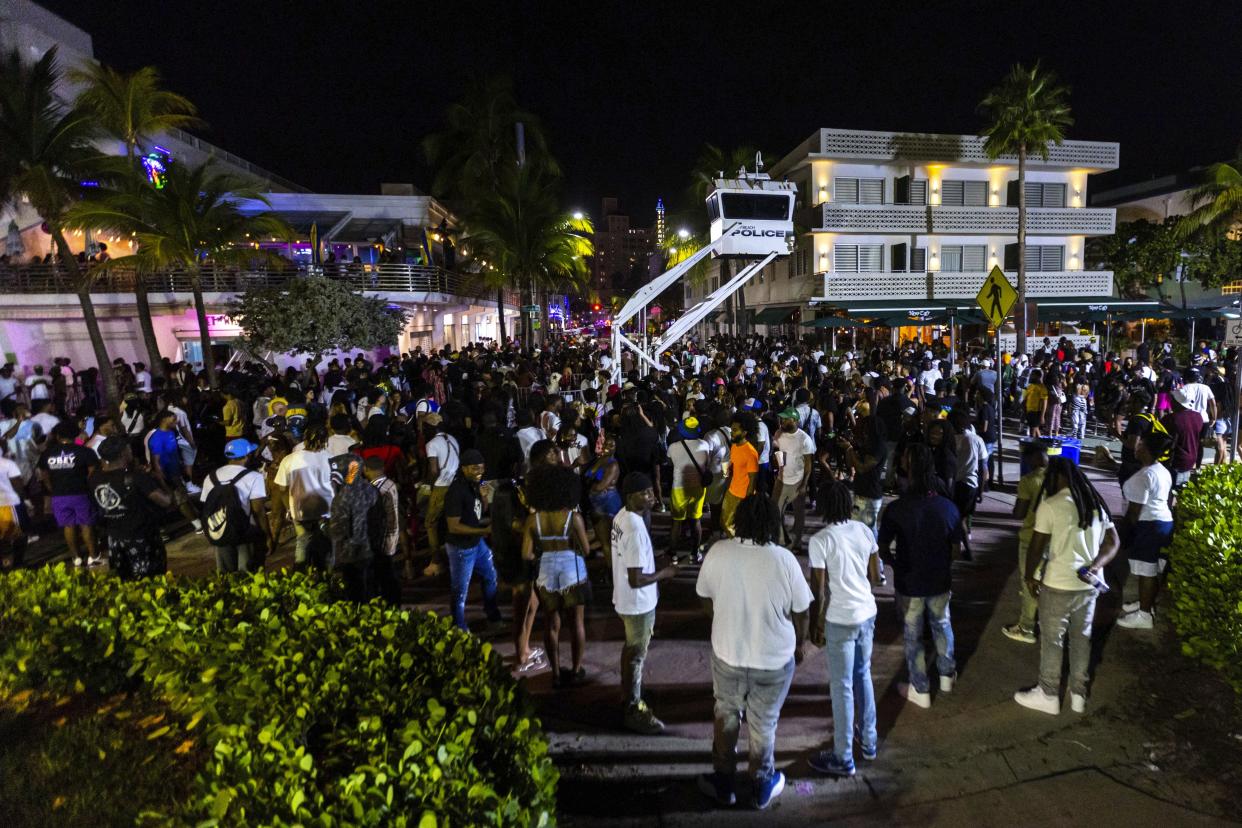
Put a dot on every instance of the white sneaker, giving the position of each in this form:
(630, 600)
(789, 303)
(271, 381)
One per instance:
(923, 700)
(1130, 606)
(198, 525)
(1136, 620)
(78, 562)
(96, 561)
(1078, 703)
(1037, 699)
(947, 682)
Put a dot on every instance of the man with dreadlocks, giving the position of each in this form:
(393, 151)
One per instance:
(843, 568)
(758, 598)
(1073, 533)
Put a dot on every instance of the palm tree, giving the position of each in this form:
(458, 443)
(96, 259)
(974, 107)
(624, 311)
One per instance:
(1217, 202)
(46, 151)
(192, 222)
(132, 107)
(524, 235)
(477, 148)
(714, 163)
(1026, 112)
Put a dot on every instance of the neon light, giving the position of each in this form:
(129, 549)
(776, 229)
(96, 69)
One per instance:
(157, 169)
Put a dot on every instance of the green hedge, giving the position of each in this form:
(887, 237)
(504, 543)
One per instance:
(1205, 577)
(308, 711)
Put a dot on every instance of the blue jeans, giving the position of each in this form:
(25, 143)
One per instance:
(936, 608)
(761, 693)
(849, 676)
(463, 562)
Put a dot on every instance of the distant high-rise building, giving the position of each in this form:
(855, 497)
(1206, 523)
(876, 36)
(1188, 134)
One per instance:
(659, 227)
(620, 249)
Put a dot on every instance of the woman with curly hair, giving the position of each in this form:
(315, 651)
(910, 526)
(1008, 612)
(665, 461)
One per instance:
(556, 533)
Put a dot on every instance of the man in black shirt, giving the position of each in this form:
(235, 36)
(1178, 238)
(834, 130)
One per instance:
(130, 503)
(502, 454)
(467, 539)
(64, 470)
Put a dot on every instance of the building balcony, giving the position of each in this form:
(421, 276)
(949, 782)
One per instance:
(872, 146)
(905, 219)
(853, 287)
(379, 278)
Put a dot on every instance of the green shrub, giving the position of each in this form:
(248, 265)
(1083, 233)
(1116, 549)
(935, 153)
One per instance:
(311, 712)
(1205, 577)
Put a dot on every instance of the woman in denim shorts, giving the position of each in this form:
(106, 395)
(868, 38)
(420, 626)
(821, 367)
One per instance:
(558, 534)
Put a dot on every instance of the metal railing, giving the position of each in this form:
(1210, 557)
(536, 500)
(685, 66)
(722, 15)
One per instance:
(379, 278)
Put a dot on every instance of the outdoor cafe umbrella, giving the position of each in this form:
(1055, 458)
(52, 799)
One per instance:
(1193, 315)
(835, 322)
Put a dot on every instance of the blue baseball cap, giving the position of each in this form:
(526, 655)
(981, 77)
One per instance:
(239, 448)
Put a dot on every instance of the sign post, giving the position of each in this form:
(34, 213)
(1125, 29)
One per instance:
(996, 299)
(1233, 338)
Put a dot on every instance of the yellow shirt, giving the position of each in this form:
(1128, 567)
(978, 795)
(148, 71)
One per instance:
(1034, 397)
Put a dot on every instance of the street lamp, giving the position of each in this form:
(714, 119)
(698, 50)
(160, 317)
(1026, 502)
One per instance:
(683, 234)
(578, 216)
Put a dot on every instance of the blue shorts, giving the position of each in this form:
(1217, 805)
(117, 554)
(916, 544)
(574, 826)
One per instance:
(1147, 547)
(606, 503)
(558, 571)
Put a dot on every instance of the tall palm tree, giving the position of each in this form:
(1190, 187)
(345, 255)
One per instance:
(712, 163)
(46, 151)
(132, 107)
(192, 222)
(1025, 113)
(478, 146)
(525, 235)
(1217, 202)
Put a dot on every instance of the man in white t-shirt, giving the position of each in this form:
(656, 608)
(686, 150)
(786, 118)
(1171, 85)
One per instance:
(8, 384)
(38, 385)
(1199, 397)
(634, 596)
(249, 555)
(443, 459)
(928, 377)
(306, 475)
(12, 490)
(527, 434)
(1066, 599)
(797, 453)
(843, 568)
(1151, 522)
(758, 599)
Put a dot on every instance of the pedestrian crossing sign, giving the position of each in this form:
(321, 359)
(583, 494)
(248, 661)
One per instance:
(996, 297)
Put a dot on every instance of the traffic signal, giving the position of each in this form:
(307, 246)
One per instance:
(595, 307)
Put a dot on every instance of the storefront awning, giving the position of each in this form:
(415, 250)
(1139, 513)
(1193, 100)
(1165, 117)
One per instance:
(774, 316)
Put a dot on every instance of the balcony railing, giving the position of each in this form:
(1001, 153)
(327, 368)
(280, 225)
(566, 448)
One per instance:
(380, 278)
(854, 287)
(873, 145)
(996, 221)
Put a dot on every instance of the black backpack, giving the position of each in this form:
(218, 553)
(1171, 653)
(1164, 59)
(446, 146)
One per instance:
(225, 519)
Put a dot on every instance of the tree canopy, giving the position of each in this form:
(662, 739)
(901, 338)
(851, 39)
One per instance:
(1143, 254)
(315, 315)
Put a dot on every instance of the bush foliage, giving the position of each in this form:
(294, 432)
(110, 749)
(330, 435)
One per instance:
(307, 711)
(1205, 576)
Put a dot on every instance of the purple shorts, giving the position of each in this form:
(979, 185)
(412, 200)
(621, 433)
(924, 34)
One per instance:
(73, 510)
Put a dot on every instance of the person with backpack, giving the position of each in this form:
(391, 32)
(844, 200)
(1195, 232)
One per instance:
(235, 511)
(131, 503)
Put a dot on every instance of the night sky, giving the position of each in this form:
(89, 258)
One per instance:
(336, 96)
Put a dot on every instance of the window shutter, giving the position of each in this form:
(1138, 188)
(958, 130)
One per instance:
(1011, 256)
(918, 260)
(1054, 195)
(901, 189)
(951, 193)
(871, 258)
(918, 191)
(1034, 194)
(845, 190)
(975, 193)
(871, 191)
(845, 258)
(897, 258)
(1052, 257)
(1032, 258)
(973, 257)
(1011, 200)
(951, 258)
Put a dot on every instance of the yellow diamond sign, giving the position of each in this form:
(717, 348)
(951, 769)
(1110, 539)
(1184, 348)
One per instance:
(996, 297)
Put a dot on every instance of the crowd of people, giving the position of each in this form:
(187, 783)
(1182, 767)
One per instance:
(541, 470)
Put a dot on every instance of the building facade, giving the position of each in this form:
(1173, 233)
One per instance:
(913, 221)
(399, 245)
(622, 250)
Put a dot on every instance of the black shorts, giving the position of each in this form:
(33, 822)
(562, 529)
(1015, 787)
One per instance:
(1034, 418)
